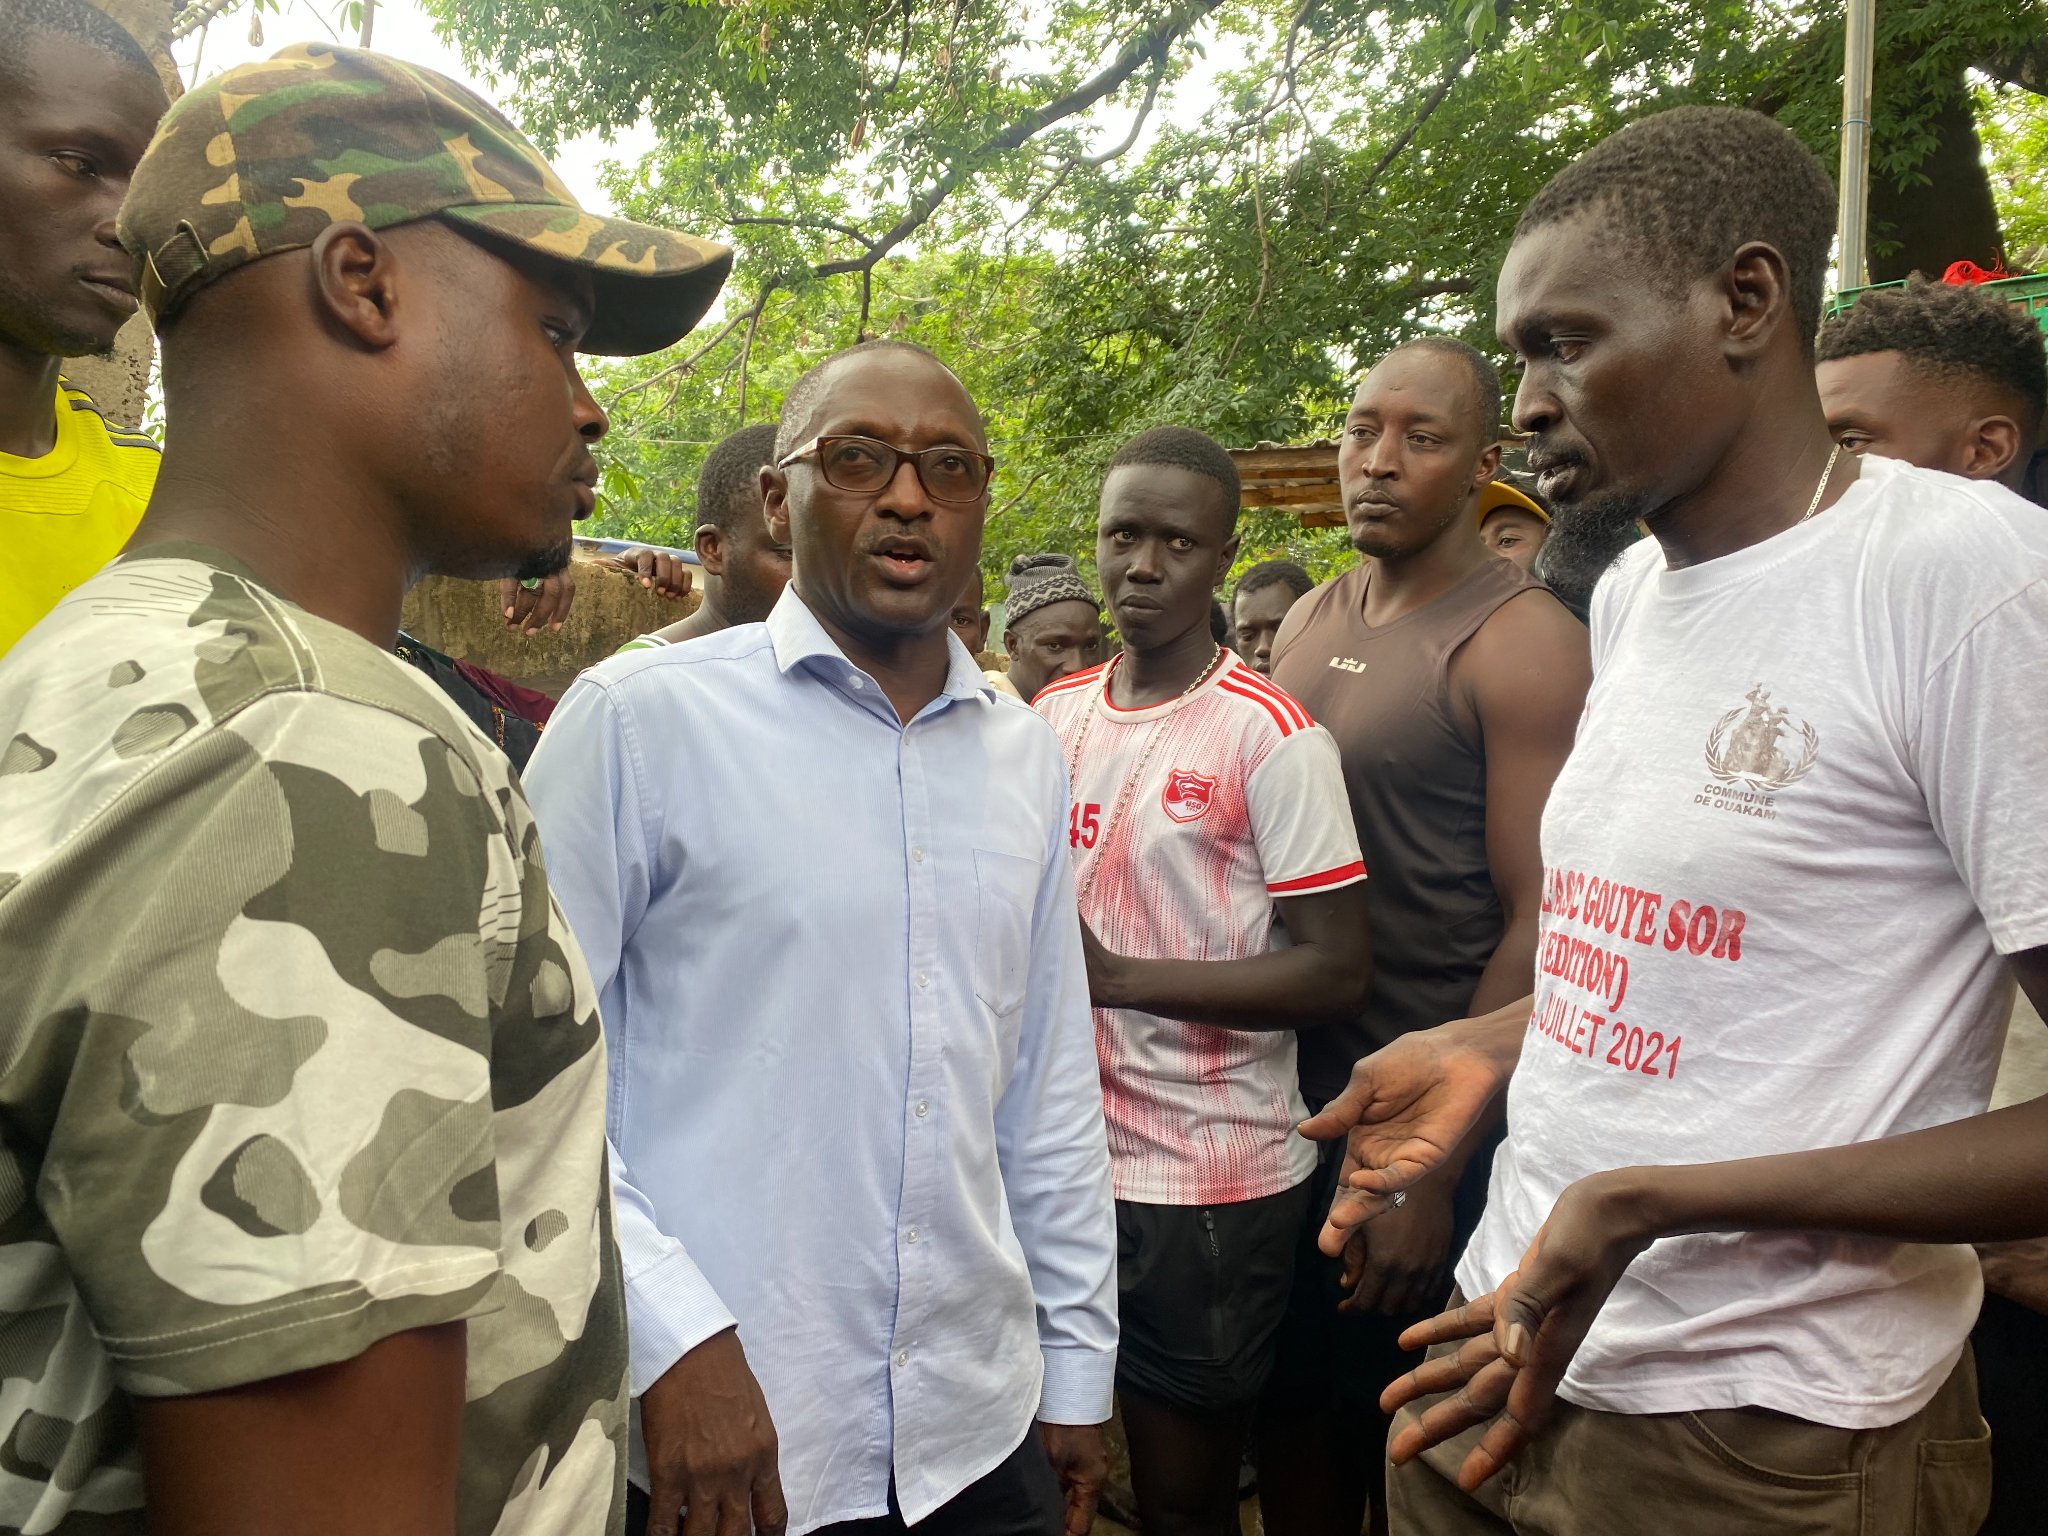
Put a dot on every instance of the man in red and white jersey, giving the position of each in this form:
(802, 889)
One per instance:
(1206, 804)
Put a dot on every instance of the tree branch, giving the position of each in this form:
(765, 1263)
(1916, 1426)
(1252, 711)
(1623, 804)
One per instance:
(1038, 201)
(682, 369)
(1022, 491)
(747, 354)
(780, 223)
(1265, 251)
(2025, 67)
(195, 16)
(1138, 122)
(1150, 43)
(902, 53)
(1423, 114)
(1433, 288)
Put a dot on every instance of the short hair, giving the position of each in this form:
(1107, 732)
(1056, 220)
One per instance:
(22, 20)
(1683, 190)
(1219, 623)
(1485, 377)
(729, 484)
(1274, 573)
(1948, 330)
(802, 398)
(1183, 448)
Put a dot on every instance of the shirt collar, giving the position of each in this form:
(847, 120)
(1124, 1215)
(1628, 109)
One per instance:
(797, 636)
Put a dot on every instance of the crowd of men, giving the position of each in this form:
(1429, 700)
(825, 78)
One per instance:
(833, 1074)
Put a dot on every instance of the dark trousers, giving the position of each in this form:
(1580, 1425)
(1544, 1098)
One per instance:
(2011, 1344)
(1019, 1498)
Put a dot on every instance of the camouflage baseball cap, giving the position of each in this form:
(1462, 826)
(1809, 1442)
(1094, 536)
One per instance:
(263, 157)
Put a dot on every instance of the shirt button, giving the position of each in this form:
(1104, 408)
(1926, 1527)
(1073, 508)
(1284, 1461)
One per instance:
(910, 1236)
(903, 1357)
(858, 682)
(923, 1109)
(917, 855)
(923, 980)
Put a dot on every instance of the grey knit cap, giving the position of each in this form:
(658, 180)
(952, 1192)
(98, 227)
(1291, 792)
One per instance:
(1036, 581)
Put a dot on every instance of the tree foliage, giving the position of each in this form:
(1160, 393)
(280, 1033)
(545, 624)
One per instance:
(1112, 213)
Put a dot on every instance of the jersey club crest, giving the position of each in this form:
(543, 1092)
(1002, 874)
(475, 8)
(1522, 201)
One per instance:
(1188, 795)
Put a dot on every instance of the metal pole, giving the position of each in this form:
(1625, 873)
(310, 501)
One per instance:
(1852, 220)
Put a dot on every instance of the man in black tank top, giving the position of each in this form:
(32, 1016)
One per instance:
(1453, 683)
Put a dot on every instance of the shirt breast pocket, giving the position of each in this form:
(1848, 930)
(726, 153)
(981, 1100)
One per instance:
(1006, 887)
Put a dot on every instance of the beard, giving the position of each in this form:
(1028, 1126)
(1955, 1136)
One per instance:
(545, 562)
(31, 324)
(1586, 538)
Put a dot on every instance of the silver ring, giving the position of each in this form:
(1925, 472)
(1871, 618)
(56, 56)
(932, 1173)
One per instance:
(1400, 1198)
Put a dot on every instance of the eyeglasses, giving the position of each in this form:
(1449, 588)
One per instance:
(865, 464)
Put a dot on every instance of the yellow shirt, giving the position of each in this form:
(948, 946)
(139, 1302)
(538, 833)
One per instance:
(68, 513)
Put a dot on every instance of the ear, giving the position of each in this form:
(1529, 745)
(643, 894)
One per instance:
(1226, 557)
(1488, 468)
(1990, 445)
(709, 542)
(356, 283)
(1757, 290)
(775, 502)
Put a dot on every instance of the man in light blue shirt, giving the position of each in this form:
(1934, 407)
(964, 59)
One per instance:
(818, 868)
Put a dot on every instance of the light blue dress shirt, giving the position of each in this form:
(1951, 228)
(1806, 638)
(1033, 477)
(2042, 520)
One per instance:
(854, 1102)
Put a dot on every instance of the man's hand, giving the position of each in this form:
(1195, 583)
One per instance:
(660, 572)
(1105, 970)
(2017, 1271)
(1406, 1109)
(711, 1447)
(1522, 1336)
(1395, 1264)
(541, 606)
(1078, 1456)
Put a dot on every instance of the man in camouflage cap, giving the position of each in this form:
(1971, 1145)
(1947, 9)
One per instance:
(305, 1198)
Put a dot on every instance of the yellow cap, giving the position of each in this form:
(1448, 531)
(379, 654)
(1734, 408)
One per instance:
(1496, 494)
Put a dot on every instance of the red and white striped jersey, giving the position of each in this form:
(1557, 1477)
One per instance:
(1241, 800)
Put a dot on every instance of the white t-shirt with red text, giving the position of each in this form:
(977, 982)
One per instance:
(1241, 801)
(1806, 812)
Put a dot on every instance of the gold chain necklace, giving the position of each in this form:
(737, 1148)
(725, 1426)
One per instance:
(1813, 506)
(1130, 784)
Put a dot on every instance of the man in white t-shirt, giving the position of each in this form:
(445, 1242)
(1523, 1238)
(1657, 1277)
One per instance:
(1206, 805)
(1797, 855)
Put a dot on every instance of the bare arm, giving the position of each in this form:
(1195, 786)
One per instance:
(1983, 1179)
(1323, 975)
(369, 1444)
(1524, 675)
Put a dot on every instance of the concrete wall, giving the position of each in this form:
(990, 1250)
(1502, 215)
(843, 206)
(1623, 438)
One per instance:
(463, 618)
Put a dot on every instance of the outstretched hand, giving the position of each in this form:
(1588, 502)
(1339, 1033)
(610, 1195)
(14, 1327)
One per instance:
(1521, 1337)
(663, 574)
(1405, 1110)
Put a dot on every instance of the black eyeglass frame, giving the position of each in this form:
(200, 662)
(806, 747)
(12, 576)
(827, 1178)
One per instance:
(895, 456)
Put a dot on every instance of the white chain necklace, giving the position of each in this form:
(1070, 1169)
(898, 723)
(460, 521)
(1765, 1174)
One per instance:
(1813, 506)
(1130, 784)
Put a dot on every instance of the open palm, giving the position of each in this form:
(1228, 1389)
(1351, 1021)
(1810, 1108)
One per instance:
(1403, 1112)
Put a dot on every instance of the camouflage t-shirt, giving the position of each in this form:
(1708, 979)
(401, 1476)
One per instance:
(298, 1053)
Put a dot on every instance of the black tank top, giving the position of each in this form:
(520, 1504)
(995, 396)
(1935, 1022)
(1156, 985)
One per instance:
(1416, 774)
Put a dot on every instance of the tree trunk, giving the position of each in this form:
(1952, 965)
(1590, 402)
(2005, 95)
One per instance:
(1950, 215)
(119, 384)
